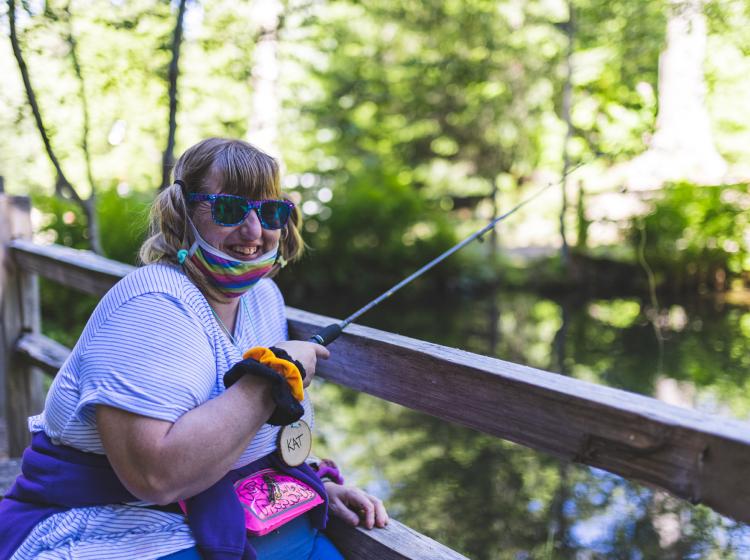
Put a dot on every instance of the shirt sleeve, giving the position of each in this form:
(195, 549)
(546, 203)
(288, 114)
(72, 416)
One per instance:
(151, 357)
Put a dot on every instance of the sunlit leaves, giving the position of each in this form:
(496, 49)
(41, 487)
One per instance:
(697, 232)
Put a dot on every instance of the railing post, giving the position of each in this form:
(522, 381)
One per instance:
(21, 385)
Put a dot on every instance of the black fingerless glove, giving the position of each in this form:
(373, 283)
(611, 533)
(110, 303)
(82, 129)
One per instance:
(285, 356)
(288, 409)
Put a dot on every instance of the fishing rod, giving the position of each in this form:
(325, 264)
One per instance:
(330, 333)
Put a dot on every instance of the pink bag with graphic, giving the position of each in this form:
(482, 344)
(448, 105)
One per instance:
(270, 499)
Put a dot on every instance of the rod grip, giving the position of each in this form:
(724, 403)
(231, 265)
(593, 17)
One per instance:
(327, 334)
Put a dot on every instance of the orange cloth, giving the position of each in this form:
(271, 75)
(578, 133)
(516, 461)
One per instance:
(286, 369)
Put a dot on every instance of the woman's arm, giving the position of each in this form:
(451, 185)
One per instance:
(163, 462)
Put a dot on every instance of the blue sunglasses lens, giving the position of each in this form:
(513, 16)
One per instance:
(231, 211)
(273, 214)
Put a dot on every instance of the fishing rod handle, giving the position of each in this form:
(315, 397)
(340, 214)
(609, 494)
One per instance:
(327, 334)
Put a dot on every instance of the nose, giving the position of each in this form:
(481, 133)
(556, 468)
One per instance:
(250, 227)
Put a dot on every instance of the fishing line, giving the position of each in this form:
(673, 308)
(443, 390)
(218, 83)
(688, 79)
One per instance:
(331, 332)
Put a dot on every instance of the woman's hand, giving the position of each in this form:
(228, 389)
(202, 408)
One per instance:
(306, 353)
(354, 505)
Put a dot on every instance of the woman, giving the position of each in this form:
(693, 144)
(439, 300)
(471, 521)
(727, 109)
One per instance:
(157, 405)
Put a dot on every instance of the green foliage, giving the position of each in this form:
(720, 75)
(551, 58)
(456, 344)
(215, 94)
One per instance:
(421, 108)
(424, 83)
(616, 74)
(375, 230)
(124, 220)
(62, 221)
(697, 235)
(64, 312)
(458, 102)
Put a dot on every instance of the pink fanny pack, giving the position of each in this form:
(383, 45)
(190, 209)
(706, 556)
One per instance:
(269, 499)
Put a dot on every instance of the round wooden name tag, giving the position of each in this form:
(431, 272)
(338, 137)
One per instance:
(295, 442)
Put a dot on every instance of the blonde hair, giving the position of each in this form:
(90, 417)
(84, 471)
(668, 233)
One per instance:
(241, 169)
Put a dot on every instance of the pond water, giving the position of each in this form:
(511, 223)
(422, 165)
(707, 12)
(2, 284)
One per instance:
(491, 499)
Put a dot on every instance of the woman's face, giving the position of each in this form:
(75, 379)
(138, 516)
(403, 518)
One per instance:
(244, 242)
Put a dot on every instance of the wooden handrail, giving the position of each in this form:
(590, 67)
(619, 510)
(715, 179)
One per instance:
(700, 457)
(394, 542)
(81, 270)
(696, 456)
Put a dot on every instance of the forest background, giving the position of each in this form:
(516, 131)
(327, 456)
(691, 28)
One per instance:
(402, 127)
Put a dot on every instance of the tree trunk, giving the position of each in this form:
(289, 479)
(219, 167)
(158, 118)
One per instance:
(174, 71)
(263, 129)
(567, 97)
(682, 146)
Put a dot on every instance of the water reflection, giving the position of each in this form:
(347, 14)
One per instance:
(491, 499)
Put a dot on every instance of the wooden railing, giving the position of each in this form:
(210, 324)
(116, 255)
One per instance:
(693, 455)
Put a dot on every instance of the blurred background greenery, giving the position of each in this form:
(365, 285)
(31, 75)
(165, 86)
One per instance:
(402, 127)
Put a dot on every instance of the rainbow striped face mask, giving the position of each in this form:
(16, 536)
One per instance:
(231, 277)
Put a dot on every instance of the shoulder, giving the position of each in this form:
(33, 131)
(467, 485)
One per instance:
(268, 292)
(157, 288)
(267, 297)
(268, 314)
(158, 278)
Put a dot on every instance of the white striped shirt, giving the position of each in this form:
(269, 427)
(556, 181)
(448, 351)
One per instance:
(152, 347)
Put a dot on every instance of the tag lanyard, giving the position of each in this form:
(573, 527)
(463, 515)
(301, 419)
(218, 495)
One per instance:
(295, 440)
(227, 331)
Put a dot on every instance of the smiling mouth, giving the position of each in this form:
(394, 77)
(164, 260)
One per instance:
(245, 252)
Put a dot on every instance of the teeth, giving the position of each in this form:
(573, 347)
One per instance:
(247, 251)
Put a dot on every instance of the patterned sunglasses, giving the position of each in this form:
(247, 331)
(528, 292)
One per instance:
(231, 210)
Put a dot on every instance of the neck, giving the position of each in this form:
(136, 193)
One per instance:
(227, 311)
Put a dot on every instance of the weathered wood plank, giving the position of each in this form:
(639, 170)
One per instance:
(9, 470)
(6, 331)
(22, 384)
(695, 456)
(393, 542)
(3, 439)
(43, 352)
(81, 270)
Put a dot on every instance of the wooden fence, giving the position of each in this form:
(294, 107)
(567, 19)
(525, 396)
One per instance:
(695, 456)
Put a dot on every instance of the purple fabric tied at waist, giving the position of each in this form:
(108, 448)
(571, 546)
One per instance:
(55, 478)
